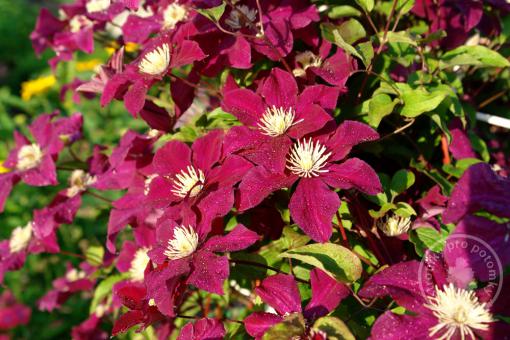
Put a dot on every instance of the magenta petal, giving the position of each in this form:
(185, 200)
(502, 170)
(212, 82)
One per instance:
(258, 323)
(401, 281)
(326, 294)
(258, 183)
(479, 188)
(241, 138)
(238, 239)
(280, 89)
(231, 171)
(217, 203)
(209, 271)
(313, 206)
(134, 99)
(6, 183)
(203, 329)
(347, 135)
(313, 118)
(173, 157)
(336, 69)
(162, 284)
(239, 54)
(325, 96)
(186, 53)
(272, 153)
(390, 326)
(245, 105)
(44, 174)
(281, 292)
(353, 173)
(280, 40)
(207, 150)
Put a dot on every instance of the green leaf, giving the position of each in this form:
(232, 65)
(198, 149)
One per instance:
(381, 212)
(399, 37)
(460, 166)
(366, 50)
(473, 55)
(334, 328)
(404, 6)
(293, 325)
(94, 254)
(338, 261)
(351, 31)
(331, 33)
(104, 289)
(343, 11)
(403, 209)
(418, 101)
(401, 181)
(379, 106)
(214, 14)
(367, 5)
(431, 238)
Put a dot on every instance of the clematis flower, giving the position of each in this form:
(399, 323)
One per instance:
(313, 162)
(142, 311)
(441, 309)
(34, 162)
(12, 312)
(199, 177)
(133, 260)
(75, 280)
(203, 329)
(185, 250)
(273, 119)
(281, 292)
(334, 69)
(479, 188)
(160, 55)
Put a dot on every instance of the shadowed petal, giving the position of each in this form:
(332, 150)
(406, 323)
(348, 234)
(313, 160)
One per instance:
(203, 329)
(326, 294)
(347, 135)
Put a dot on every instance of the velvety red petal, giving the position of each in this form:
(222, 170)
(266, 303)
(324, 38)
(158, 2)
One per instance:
(280, 89)
(281, 292)
(209, 271)
(347, 135)
(245, 105)
(173, 157)
(258, 323)
(312, 206)
(238, 239)
(353, 173)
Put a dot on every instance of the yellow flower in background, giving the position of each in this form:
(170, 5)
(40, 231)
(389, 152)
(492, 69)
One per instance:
(3, 169)
(87, 65)
(131, 47)
(37, 86)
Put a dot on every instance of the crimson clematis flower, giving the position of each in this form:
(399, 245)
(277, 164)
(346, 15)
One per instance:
(313, 162)
(159, 57)
(34, 163)
(185, 250)
(441, 308)
(273, 118)
(281, 292)
(193, 178)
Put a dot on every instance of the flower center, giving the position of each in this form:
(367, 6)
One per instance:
(75, 275)
(156, 62)
(306, 59)
(276, 121)
(189, 181)
(241, 16)
(138, 265)
(183, 244)
(20, 238)
(394, 225)
(79, 181)
(94, 6)
(307, 160)
(458, 310)
(174, 14)
(29, 157)
(78, 22)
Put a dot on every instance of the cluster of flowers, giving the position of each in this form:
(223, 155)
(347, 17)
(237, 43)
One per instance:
(177, 196)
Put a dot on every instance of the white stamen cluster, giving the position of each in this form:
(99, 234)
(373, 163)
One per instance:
(138, 265)
(183, 243)
(20, 238)
(156, 62)
(308, 160)
(188, 182)
(276, 121)
(173, 14)
(78, 22)
(94, 6)
(75, 275)
(241, 16)
(78, 182)
(394, 225)
(29, 157)
(459, 313)
(306, 59)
